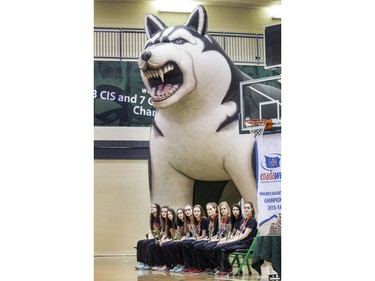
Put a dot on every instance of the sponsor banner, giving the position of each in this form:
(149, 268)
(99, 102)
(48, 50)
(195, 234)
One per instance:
(269, 180)
(120, 97)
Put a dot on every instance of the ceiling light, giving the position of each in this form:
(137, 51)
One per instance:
(275, 11)
(176, 6)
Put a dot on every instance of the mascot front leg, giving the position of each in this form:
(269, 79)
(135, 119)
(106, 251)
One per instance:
(168, 186)
(176, 191)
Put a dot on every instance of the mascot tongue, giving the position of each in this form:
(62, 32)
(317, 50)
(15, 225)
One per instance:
(163, 89)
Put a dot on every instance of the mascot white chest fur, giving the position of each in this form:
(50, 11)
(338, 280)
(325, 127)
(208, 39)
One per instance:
(195, 88)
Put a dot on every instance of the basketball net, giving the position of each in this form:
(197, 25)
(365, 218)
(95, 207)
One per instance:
(256, 127)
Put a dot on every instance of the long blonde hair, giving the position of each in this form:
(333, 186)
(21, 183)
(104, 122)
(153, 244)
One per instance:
(212, 221)
(224, 203)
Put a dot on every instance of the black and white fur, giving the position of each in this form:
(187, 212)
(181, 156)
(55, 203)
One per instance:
(195, 88)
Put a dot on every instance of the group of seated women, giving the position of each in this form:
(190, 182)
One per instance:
(186, 241)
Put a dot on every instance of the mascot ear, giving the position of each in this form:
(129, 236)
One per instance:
(153, 25)
(198, 20)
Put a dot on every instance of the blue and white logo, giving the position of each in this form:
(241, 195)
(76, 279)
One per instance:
(271, 161)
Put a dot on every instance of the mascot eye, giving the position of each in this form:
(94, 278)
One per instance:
(179, 41)
(148, 45)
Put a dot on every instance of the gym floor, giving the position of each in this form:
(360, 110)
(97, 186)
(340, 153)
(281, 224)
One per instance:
(122, 268)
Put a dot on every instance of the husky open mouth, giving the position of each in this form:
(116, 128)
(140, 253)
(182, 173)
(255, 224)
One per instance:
(164, 81)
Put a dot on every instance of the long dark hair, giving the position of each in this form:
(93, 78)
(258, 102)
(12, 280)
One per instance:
(192, 213)
(179, 221)
(233, 219)
(156, 219)
(252, 207)
(163, 221)
(170, 223)
(203, 215)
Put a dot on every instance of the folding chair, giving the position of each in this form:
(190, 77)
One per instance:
(245, 254)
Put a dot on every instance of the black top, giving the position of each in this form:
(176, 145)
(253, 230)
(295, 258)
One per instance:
(250, 223)
(215, 226)
(237, 224)
(204, 223)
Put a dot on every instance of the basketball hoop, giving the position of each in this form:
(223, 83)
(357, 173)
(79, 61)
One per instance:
(257, 127)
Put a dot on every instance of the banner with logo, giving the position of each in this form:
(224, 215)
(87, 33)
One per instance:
(268, 175)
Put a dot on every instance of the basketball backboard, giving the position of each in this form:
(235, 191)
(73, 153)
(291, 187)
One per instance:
(260, 101)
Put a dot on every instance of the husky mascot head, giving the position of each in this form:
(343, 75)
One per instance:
(195, 88)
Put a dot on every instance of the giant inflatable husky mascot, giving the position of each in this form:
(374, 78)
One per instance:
(195, 88)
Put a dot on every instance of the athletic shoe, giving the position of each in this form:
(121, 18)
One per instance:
(161, 268)
(196, 270)
(140, 266)
(208, 271)
(224, 273)
(187, 270)
(155, 267)
(176, 267)
(147, 267)
(180, 269)
(221, 274)
(217, 273)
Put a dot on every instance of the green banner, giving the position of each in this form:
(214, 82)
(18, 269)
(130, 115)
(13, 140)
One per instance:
(121, 99)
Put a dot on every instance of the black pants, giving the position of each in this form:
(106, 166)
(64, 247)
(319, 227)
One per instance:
(189, 259)
(142, 249)
(222, 252)
(156, 254)
(200, 254)
(209, 255)
(150, 253)
(169, 253)
(177, 246)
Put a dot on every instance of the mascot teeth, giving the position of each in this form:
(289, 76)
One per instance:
(164, 81)
(161, 74)
(158, 73)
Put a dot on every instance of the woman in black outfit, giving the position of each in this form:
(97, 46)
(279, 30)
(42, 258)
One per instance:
(143, 260)
(224, 248)
(154, 249)
(174, 234)
(199, 229)
(177, 247)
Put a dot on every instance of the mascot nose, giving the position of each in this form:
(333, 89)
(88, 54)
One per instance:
(146, 55)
